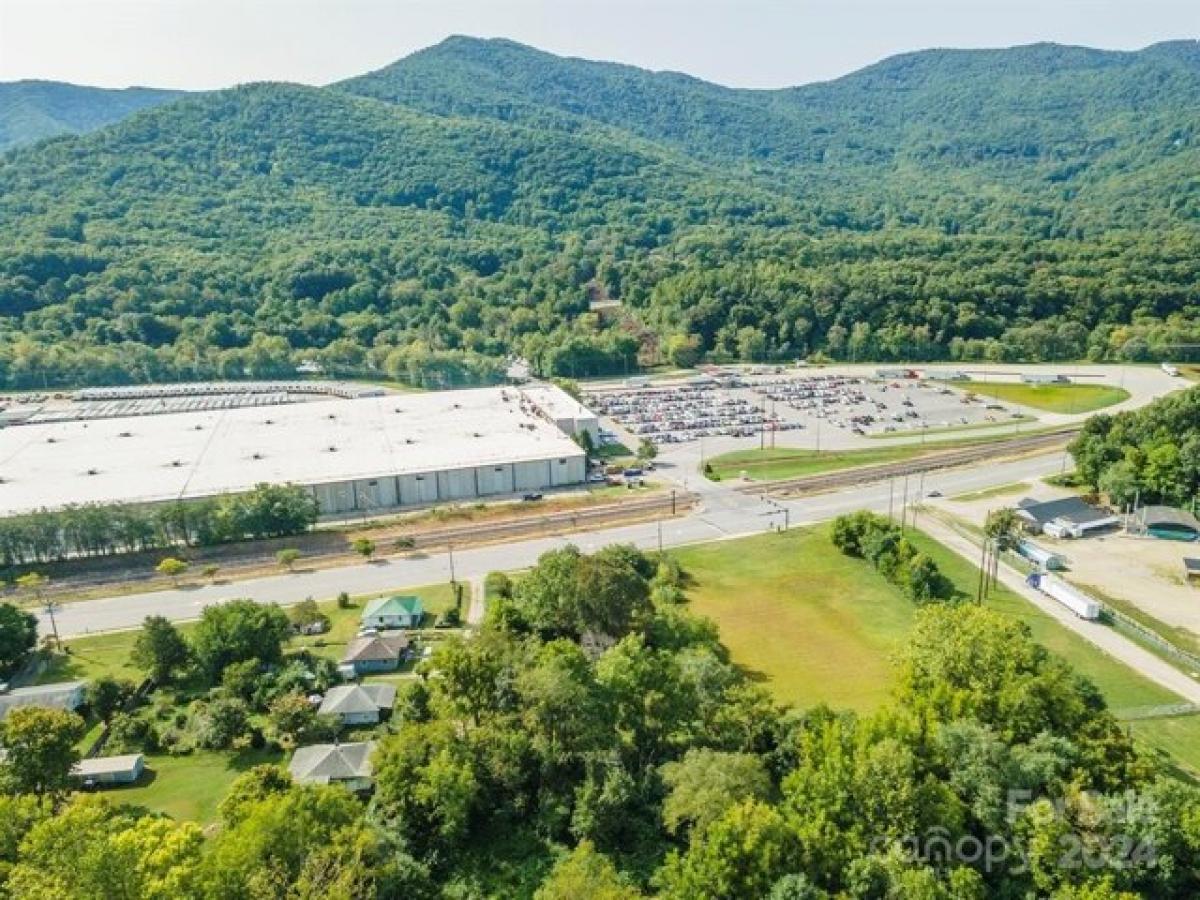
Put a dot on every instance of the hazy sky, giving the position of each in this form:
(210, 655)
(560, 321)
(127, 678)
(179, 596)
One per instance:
(754, 43)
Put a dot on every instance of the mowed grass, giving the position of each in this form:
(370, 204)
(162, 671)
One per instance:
(817, 626)
(188, 788)
(1057, 398)
(1178, 736)
(790, 462)
(814, 625)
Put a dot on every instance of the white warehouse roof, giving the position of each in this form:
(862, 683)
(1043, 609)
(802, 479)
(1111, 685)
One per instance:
(198, 454)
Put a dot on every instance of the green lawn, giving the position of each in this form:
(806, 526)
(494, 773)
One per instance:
(791, 462)
(1178, 736)
(188, 788)
(1002, 490)
(1057, 398)
(97, 656)
(813, 624)
(819, 626)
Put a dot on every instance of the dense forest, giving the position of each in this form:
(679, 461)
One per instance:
(593, 740)
(481, 198)
(1148, 455)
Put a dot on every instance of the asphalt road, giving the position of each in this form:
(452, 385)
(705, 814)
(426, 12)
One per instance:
(722, 514)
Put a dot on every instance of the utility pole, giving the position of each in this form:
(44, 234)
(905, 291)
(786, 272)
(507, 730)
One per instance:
(453, 580)
(659, 524)
(672, 501)
(891, 488)
(904, 504)
(51, 608)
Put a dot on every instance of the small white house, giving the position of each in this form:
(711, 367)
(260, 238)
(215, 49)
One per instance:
(358, 704)
(109, 769)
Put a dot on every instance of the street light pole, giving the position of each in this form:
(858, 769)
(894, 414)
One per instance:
(453, 580)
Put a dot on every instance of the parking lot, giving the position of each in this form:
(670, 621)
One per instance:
(775, 406)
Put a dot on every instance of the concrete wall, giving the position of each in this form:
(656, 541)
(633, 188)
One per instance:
(389, 492)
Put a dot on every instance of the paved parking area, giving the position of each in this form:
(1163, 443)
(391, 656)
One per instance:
(769, 407)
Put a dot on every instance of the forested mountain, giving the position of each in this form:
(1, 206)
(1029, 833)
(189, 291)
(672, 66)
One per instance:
(472, 201)
(33, 110)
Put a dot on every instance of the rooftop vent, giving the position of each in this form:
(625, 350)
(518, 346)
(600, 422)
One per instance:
(176, 464)
(332, 448)
(51, 440)
(93, 471)
(197, 428)
(125, 434)
(331, 416)
(269, 422)
(256, 456)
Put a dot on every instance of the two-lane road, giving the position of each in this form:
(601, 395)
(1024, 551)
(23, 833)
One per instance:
(722, 514)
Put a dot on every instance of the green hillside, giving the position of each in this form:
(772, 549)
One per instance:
(472, 200)
(33, 110)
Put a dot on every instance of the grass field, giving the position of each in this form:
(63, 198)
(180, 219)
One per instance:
(1057, 398)
(818, 626)
(1178, 736)
(188, 788)
(790, 462)
(795, 613)
(1002, 490)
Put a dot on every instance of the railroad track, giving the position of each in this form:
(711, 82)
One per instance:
(813, 484)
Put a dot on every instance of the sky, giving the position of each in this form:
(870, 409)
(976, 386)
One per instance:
(203, 44)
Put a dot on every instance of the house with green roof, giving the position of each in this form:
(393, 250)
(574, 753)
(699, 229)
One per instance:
(393, 612)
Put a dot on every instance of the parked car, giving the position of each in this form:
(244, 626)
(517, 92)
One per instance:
(532, 497)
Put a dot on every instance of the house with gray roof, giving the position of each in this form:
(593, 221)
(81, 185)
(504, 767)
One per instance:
(1068, 517)
(66, 695)
(346, 764)
(101, 770)
(359, 704)
(396, 611)
(374, 653)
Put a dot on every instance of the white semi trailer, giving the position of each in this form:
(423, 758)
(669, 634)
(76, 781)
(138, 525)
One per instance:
(1070, 597)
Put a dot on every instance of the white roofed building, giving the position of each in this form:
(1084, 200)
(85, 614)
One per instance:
(355, 455)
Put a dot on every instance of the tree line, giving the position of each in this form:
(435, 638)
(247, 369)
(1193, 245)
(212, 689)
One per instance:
(1151, 454)
(103, 529)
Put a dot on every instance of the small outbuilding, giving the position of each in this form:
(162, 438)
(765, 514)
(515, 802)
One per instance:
(359, 704)
(104, 770)
(1168, 523)
(396, 611)
(345, 764)
(66, 695)
(374, 653)
(1191, 568)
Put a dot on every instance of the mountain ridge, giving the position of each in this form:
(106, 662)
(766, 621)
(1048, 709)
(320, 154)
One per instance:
(468, 202)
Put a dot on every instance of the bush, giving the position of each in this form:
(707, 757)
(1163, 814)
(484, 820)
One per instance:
(881, 542)
(343, 600)
(498, 584)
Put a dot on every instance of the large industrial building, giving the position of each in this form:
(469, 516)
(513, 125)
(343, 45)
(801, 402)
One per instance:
(356, 455)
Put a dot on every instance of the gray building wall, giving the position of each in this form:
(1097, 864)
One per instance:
(393, 491)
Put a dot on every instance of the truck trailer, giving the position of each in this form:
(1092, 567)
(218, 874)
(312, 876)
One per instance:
(1070, 597)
